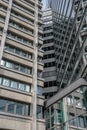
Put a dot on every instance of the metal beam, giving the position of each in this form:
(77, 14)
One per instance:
(71, 88)
(78, 60)
(65, 16)
(74, 24)
(76, 41)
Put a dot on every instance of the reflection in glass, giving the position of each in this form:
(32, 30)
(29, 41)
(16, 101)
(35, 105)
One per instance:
(11, 107)
(8, 64)
(3, 104)
(6, 82)
(39, 112)
(26, 110)
(39, 91)
(28, 88)
(0, 80)
(21, 86)
(13, 84)
(19, 108)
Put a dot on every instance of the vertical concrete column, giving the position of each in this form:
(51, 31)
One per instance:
(34, 98)
(5, 29)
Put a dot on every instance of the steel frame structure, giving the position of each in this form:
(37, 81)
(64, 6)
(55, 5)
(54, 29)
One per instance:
(76, 41)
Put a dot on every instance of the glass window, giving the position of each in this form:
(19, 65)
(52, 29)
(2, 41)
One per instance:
(6, 82)
(13, 84)
(73, 121)
(81, 122)
(11, 49)
(30, 56)
(70, 99)
(47, 112)
(25, 41)
(29, 71)
(7, 47)
(8, 64)
(26, 110)
(39, 91)
(28, 88)
(17, 51)
(52, 110)
(0, 80)
(24, 54)
(11, 107)
(39, 73)
(52, 121)
(50, 83)
(48, 123)
(19, 108)
(21, 86)
(3, 62)
(16, 66)
(58, 115)
(76, 99)
(3, 104)
(79, 103)
(14, 107)
(22, 69)
(39, 112)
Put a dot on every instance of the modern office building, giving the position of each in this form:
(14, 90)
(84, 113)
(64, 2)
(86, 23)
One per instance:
(59, 6)
(59, 38)
(51, 4)
(49, 72)
(21, 100)
(64, 64)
